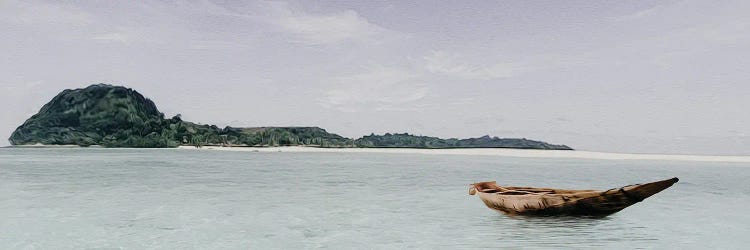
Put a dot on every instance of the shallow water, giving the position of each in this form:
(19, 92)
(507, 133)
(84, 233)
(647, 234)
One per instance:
(186, 199)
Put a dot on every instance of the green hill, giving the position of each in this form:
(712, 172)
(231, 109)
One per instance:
(99, 114)
(412, 141)
(115, 116)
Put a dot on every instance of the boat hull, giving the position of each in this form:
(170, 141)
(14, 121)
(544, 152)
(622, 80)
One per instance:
(568, 202)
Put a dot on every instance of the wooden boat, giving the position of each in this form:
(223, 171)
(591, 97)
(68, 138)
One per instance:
(548, 201)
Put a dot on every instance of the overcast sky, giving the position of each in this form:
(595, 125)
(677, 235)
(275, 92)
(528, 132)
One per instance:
(616, 76)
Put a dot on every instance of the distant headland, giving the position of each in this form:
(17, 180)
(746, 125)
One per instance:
(116, 116)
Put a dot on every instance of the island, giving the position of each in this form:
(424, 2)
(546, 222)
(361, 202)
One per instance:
(116, 116)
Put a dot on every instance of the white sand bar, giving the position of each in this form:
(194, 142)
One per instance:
(531, 153)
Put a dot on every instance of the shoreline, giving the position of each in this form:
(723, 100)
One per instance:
(39, 145)
(509, 152)
(506, 152)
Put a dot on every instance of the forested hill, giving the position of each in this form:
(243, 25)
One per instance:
(412, 141)
(115, 116)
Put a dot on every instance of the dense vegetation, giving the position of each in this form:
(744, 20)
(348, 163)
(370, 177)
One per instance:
(115, 116)
(412, 141)
(99, 114)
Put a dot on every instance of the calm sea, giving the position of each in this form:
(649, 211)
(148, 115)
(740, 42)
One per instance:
(189, 199)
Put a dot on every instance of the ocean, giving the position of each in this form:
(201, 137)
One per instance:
(94, 198)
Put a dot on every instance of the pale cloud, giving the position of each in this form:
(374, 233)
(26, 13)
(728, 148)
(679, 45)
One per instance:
(43, 14)
(128, 35)
(169, 23)
(648, 12)
(20, 88)
(726, 22)
(114, 37)
(715, 27)
(404, 88)
(441, 62)
(217, 45)
(733, 31)
(322, 29)
(377, 88)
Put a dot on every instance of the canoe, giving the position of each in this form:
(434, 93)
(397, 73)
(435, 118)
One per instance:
(549, 201)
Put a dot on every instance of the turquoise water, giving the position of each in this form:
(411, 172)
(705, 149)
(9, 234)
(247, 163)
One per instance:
(187, 199)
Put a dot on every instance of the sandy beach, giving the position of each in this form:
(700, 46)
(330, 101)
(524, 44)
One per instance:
(530, 153)
(527, 153)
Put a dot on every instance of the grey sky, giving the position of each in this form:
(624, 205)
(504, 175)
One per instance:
(621, 76)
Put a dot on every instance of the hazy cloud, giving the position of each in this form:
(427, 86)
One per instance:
(376, 88)
(40, 13)
(441, 62)
(322, 29)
